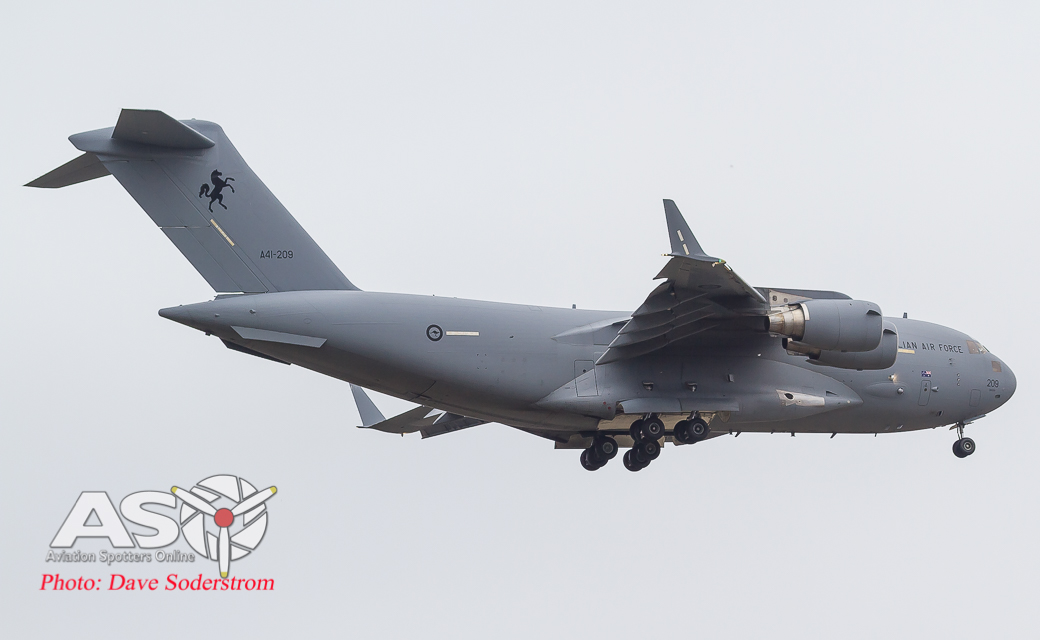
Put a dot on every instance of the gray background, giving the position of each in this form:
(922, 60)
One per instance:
(520, 153)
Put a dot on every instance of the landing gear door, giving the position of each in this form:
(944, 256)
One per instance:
(585, 378)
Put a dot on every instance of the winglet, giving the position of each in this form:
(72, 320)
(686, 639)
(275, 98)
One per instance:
(684, 244)
(370, 414)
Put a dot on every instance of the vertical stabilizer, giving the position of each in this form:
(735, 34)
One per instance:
(195, 186)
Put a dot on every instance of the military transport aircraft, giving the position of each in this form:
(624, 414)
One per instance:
(705, 355)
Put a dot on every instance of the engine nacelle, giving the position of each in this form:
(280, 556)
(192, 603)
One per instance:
(881, 357)
(831, 325)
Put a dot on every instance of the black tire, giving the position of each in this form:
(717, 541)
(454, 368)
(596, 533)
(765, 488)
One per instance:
(698, 430)
(964, 447)
(587, 462)
(681, 434)
(636, 430)
(652, 429)
(639, 454)
(967, 446)
(605, 447)
(630, 462)
(652, 449)
(595, 458)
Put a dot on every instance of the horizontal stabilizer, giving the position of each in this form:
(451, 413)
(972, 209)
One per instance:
(448, 422)
(147, 126)
(85, 167)
(426, 420)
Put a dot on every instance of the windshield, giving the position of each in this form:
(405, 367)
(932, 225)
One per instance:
(976, 347)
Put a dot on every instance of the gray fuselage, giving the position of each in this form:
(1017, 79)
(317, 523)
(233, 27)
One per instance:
(509, 363)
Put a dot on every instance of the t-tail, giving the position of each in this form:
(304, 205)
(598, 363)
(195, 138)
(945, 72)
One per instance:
(195, 186)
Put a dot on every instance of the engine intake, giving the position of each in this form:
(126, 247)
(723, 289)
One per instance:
(830, 325)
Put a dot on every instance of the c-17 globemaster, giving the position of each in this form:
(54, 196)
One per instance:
(705, 355)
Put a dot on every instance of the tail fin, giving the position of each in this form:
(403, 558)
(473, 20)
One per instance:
(196, 187)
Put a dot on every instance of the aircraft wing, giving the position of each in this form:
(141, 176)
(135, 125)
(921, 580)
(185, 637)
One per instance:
(426, 420)
(698, 293)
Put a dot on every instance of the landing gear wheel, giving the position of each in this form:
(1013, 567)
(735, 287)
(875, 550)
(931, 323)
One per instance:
(681, 432)
(591, 461)
(964, 447)
(605, 447)
(636, 430)
(651, 449)
(630, 462)
(698, 429)
(639, 455)
(690, 431)
(652, 428)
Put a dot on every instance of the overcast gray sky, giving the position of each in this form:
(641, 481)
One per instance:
(496, 151)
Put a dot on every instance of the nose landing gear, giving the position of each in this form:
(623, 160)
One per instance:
(964, 447)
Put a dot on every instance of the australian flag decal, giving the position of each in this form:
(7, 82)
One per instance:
(926, 374)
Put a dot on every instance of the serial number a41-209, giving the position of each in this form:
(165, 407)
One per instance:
(277, 255)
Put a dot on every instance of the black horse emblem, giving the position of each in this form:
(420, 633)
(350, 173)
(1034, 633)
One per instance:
(218, 186)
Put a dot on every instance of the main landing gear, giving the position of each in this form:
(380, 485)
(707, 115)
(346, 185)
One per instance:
(602, 451)
(964, 447)
(646, 435)
(690, 431)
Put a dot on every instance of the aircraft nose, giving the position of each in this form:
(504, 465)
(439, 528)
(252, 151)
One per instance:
(1010, 383)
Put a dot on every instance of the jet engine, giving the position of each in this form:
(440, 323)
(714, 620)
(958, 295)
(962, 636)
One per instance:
(830, 325)
(881, 357)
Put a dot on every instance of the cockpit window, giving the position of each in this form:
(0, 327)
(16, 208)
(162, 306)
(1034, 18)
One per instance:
(996, 366)
(976, 347)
